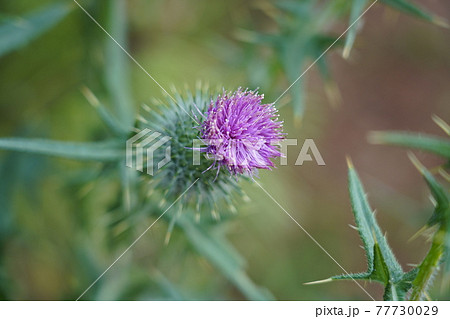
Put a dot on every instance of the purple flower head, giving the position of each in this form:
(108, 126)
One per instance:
(241, 133)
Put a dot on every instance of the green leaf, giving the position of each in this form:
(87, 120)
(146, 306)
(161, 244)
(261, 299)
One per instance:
(214, 247)
(382, 266)
(116, 65)
(17, 32)
(441, 239)
(441, 214)
(433, 144)
(95, 151)
(19, 173)
(298, 42)
(426, 271)
(377, 269)
(410, 8)
(105, 114)
(380, 271)
(368, 227)
(356, 10)
(398, 290)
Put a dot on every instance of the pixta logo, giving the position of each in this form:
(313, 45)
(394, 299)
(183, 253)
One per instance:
(141, 150)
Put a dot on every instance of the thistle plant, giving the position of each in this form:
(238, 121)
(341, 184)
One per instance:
(303, 32)
(235, 133)
(180, 121)
(229, 153)
(193, 189)
(219, 139)
(383, 267)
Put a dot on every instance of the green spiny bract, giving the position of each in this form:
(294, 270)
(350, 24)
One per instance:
(180, 118)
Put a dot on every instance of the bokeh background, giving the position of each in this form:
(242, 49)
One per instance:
(55, 230)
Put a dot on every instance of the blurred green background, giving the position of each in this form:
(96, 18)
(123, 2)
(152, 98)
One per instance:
(55, 234)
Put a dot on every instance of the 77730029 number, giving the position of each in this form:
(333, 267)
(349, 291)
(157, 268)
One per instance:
(407, 310)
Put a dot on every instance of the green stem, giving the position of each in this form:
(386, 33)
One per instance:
(428, 266)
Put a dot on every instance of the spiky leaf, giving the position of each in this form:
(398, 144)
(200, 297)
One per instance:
(441, 239)
(410, 8)
(17, 32)
(382, 266)
(93, 151)
(356, 10)
(214, 247)
(433, 144)
(368, 227)
(116, 65)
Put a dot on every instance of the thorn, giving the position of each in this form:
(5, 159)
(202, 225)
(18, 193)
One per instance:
(155, 101)
(167, 238)
(346, 52)
(246, 198)
(215, 215)
(141, 119)
(90, 96)
(432, 200)
(146, 108)
(416, 163)
(444, 174)
(353, 227)
(318, 281)
(349, 162)
(440, 22)
(441, 123)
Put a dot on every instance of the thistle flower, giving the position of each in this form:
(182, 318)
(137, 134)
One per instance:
(247, 128)
(241, 132)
